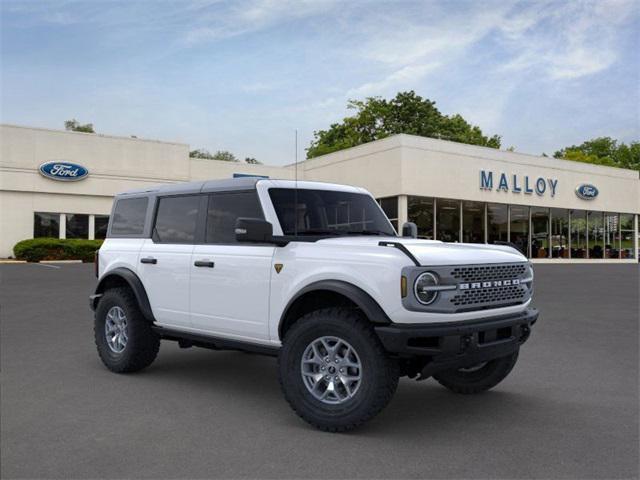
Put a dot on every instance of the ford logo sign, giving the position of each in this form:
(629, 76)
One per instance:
(63, 171)
(586, 191)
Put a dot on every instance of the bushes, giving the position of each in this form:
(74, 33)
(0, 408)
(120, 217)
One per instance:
(37, 249)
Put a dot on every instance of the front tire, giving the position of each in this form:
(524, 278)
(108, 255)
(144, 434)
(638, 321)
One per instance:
(124, 338)
(333, 370)
(479, 378)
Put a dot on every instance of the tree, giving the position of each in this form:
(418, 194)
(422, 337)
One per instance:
(604, 151)
(75, 126)
(222, 155)
(252, 161)
(377, 118)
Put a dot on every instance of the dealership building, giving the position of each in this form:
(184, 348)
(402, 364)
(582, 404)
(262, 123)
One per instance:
(61, 184)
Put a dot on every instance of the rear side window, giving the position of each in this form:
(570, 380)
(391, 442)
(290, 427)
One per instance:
(176, 219)
(128, 216)
(224, 209)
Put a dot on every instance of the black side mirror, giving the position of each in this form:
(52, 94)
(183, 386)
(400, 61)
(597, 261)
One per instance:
(253, 230)
(409, 230)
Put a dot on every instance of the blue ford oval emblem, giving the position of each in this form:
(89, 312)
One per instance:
(64, 171)
(586, 191)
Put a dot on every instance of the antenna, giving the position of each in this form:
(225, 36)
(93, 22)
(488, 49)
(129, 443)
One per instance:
(295, 190)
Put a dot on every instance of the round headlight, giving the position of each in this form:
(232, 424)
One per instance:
(421, 288)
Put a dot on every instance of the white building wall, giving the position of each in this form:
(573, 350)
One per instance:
(401, 165)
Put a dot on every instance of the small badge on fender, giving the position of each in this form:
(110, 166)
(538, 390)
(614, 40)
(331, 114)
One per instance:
(278, 267)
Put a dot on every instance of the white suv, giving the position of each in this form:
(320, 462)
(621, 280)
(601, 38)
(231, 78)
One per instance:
(316, 275)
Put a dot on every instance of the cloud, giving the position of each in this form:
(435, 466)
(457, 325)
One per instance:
(565, 41)
(250, 16)
(400, 79)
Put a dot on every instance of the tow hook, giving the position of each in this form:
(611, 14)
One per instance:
(465, 341)
(526, 331)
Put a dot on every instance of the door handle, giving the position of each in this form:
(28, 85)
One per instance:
(151, 260)
(204, 263)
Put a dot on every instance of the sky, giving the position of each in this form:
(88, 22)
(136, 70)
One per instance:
(244, 75)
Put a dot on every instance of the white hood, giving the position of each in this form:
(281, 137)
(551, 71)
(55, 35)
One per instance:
(432, 252)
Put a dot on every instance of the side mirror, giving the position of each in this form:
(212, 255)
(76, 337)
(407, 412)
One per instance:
(409, 230)
(253, 230)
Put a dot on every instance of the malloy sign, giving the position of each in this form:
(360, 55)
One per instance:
(504, 182)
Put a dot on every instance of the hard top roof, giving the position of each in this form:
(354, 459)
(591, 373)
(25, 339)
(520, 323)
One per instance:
(231, 184)
(240, 183)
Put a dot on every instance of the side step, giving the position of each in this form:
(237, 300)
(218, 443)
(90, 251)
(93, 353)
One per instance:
(189, 339)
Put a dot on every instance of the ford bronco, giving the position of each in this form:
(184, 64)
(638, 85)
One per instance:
(314, 274)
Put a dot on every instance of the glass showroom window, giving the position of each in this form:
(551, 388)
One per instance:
(77, 226)
(520, 228)
(626, 235)
(473, 222)
(100, 226)
(578, 234)
(611, 235)
(559, 233)
(447, 220)
(539, 232)
(48, 225)
(390, 207)
(595, 236)
(497, 223)
(420, 212)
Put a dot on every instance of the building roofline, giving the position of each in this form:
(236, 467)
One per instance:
(118, 137)
(476, 151)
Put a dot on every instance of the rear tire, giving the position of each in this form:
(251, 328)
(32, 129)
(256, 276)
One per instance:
(476, 380)
(124, 338)
(340, 340)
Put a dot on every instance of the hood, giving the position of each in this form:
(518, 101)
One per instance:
(433, 252)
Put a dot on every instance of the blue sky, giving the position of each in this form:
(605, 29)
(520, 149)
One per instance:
(241, 76)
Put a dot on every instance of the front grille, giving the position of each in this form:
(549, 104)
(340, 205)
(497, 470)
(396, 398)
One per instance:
(481, 273)
(503, 296)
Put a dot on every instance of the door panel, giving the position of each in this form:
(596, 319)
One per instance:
(167, 281)
(232, 297)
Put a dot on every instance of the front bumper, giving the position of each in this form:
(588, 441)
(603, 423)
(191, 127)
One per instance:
(461, 344)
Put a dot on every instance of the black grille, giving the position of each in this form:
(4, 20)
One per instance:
(509, 295)
(482, 273)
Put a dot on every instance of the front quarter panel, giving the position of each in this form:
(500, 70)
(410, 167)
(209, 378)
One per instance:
(375, 270)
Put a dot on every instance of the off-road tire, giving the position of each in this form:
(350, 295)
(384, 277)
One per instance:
(478, 381)
(143, 343)
(379, 373)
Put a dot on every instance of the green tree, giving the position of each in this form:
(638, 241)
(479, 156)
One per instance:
(222, 155)
(377, 118)
(604, 151)
(252, 161)
(74, 126)
(201, 153)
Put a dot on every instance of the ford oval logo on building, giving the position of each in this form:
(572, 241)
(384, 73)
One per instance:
(586, 191)
(63, 171)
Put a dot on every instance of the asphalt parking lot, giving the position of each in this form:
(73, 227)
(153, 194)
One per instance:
(569, 409)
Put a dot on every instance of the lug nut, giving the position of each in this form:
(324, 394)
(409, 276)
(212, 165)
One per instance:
(335, 378)
(342, 370)
(322, 368)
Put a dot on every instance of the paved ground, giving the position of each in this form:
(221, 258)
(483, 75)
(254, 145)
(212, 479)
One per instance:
(569, 409)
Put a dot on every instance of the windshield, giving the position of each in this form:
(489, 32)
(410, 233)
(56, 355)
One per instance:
(327, 212)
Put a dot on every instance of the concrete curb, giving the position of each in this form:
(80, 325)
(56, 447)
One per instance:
(9, 261)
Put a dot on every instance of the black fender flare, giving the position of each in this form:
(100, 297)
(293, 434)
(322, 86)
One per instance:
(359, 297)
(134, 283)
